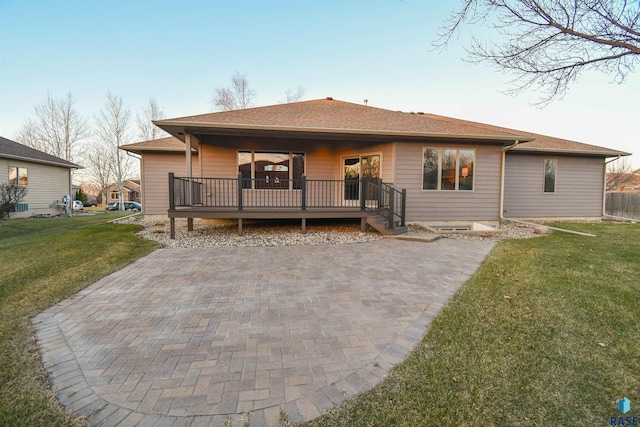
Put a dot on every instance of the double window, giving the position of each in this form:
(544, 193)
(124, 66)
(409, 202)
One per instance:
(18, 176)
(448, 169)
(550, 168)
(274, 170)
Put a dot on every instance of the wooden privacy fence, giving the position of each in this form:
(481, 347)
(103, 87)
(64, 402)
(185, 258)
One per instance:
(626, 205)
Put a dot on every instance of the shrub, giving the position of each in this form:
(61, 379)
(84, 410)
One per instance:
(10, 196)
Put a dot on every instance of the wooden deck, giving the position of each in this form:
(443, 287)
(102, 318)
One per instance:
(268, 213)
(244, 198)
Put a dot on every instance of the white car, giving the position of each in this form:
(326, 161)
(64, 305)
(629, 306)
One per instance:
(77, 205)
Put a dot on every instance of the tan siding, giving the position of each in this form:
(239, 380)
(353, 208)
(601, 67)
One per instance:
(47, 184)
(155, 179)
(4, 171)
(480, 204)
(219, 162)
(579, 187)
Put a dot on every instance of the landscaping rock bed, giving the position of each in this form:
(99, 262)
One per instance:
(257, 234)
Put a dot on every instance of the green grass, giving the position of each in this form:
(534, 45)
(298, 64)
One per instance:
(44, 261)
(531, 359)
(520, 343)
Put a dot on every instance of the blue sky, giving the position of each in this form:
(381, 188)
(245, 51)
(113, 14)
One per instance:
(179, 51)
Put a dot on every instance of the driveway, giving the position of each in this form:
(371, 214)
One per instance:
(197, 336)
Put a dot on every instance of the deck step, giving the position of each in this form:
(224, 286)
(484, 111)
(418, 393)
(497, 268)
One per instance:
(418, 237)
(380, 225)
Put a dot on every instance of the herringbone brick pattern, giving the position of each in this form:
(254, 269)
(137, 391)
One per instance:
(194, 336)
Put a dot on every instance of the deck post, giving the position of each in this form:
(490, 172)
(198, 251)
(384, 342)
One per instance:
(189, 224)
(304, 193)
(363, 224)
(363, 195)
(240, 193)
(390, 221)
(304, 225)
(239, 226)
(404, 208)
(172, 202)
(172, 226)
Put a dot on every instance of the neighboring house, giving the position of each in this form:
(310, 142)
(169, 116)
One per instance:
(47, 178)
(629, 182)
(131, 191)
(328, 158)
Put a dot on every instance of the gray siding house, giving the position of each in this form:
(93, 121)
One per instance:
(328, 158)
(47, 178)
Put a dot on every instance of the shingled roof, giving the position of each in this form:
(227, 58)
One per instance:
(169, 144)
(544, 143)
(338, 119)
(326, 117)
(13, 150)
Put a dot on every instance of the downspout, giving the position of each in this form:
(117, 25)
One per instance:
(504, 164)
(502, 217)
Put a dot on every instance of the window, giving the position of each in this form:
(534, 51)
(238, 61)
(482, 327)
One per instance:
(271, 170)
(114, 195)
(550, 167)
(447, 169)
(18, 176)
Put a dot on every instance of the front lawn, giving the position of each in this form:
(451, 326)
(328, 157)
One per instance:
(546, 333)
(42, 262)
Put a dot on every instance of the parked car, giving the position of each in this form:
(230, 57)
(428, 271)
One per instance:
(128, 206)
(77, 205)
(91, 201)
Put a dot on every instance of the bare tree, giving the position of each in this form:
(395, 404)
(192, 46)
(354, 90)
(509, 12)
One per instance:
(146, 129)
(619, 174)
(238, 96)
(545, 44)
(99, 167)
(112, 126)
(295, 95)
(56, 128)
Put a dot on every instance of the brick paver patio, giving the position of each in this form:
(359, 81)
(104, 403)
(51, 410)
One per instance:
(199, 336)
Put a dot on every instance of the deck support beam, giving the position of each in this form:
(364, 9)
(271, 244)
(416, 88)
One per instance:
(172, 222)
(304, 225)
(363, 224)
(240, 233)
(189, 224)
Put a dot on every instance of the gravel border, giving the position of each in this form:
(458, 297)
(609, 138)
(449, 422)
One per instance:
(257, 234)
(289, 234)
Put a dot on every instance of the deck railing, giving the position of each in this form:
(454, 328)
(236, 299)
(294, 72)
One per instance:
(245, 193)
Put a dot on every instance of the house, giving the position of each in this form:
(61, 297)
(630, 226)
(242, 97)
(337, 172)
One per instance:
(130, 188)
(329, 158)
(47, 178)
(624, 182)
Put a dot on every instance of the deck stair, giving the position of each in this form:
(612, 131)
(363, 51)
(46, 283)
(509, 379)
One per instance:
(381, 224)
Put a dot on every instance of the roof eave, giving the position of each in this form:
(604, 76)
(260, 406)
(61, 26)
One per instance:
(596, 153)
(140, 150)
(196, 127)
(43, 162)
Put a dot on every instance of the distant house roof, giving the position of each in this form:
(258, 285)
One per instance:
(333, 119)
(12, 150)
